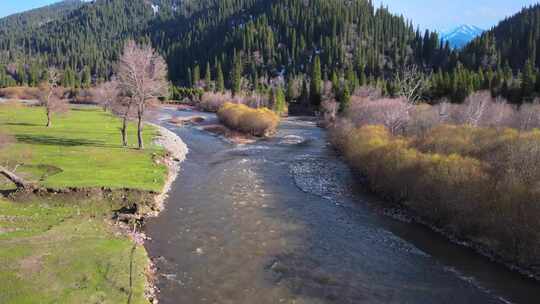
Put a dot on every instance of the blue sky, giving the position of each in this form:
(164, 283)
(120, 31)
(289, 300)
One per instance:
(432, 14)
(446, 14)
(8, 7)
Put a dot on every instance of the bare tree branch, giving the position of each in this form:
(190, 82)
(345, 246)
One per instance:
(411, 83)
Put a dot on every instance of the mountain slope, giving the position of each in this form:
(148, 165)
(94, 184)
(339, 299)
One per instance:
(513, 41)
(266, 38)
(38, 17)
(461, 35)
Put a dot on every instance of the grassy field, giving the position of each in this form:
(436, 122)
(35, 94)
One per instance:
(65, 249)
(60, 252)
(82, 149)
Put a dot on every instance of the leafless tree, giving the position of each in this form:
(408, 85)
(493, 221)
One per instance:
(329, 109)
(11, 175)
(411, 83)
(126, 109)
(528, 116)
(105, 94)
(49, 96)
(475, 107)
(499, 114)
(423, 118)
(393, 113)
(142, 76)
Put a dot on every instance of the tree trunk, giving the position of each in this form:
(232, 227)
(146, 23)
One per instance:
(49, 119)
(140, 126)
(124, 131)
(19, 182)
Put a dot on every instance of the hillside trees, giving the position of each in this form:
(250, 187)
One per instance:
(260, 40)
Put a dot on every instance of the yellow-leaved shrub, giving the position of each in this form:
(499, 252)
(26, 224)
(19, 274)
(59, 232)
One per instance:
(479, 183)
(257, 122)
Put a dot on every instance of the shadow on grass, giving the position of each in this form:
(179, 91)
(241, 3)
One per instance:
(25, 124)
(57, 141)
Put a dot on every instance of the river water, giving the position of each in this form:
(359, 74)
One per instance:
(283, 221)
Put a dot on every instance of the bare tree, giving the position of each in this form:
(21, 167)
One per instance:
(475, 107)
(528, 116)
(49, 96)
(11, 175)
(330, 109)
(142, 76)
(411, 83)
(125, 108)
(392, 113)
(105, 94)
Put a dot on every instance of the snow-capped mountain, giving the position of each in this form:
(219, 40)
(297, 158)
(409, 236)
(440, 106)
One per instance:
(461, 35)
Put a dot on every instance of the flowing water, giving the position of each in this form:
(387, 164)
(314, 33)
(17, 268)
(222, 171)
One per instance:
(283, 221)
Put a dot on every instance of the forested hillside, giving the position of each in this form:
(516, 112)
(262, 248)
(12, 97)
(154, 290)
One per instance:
(263, 38)
(37, 17)
(251, 44)
(513, 41)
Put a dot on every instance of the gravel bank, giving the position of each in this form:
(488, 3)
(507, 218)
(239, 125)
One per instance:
(177, 151)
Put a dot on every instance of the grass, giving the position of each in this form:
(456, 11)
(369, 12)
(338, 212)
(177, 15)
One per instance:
(64, 249)
(81, 150)
(54, 252)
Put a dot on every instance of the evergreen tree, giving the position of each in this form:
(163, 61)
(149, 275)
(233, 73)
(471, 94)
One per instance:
(291, 93)
(279, 103)
(528, 81)
(208, 77)
(220, 79)
(86, 78)
(196, 75)
(316, 82)
(237, 75)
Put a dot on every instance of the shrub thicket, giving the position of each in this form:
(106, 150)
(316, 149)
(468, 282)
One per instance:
(473, 169)
(25, 93)
(257, 122)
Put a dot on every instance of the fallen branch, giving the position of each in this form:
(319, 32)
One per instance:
(18, 181)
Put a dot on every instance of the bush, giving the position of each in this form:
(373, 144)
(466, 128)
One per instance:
(479, 183)
(184, 95)
(257, 122)
(25, 93)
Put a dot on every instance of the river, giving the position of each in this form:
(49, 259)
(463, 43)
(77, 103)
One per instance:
(283, 221)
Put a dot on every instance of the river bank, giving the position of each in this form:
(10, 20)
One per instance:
(407, 215)
(75, 237)
(177, 152)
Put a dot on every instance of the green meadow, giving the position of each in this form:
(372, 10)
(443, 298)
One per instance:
(62, 249)
(81, 150)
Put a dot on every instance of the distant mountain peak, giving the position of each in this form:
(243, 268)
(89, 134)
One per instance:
(459, 36)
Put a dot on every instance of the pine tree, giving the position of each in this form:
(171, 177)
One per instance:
(208, 77)
(291, 93)
(345, 99)
(196, 75)
(528, 81)
(86, 78)
(237, 75)
(316, 82)
(280, 104)
(220, 79)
